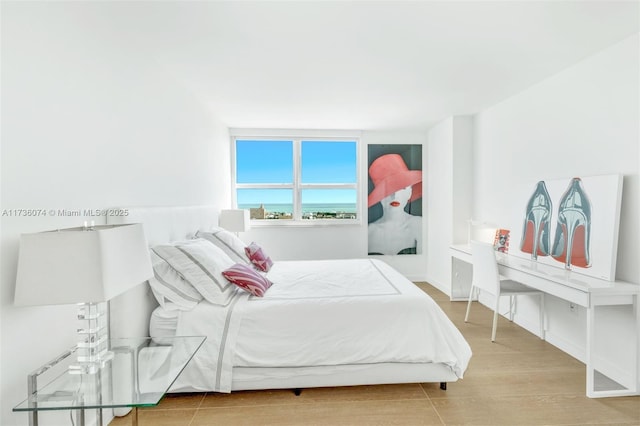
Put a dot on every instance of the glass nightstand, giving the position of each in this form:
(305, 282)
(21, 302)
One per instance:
(139, 375)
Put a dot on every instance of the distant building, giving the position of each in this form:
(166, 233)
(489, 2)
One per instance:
(258, 213)
(262, 213)
(342, 215)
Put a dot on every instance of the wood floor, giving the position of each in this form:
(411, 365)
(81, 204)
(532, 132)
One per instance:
(518, 380)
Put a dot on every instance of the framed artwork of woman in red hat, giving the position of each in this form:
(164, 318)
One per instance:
(394, 201)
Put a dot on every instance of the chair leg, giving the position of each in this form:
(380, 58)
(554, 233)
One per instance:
(466, 317)
(495, 318)
(495, 325)
(511, 307)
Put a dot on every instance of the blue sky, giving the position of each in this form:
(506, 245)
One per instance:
(264, 162)
(338, 158)
(272, 162)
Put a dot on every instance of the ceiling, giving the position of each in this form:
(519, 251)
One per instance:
(370, 65)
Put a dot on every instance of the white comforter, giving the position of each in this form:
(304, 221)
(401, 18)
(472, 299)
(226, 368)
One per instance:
(321, 313)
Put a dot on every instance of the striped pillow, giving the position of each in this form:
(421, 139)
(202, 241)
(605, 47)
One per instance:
(227, 242)
(256, 255)
(168, 286)
(248, 279)
(201, 264)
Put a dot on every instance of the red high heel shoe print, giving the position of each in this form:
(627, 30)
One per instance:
(536, 230)
(571, 244)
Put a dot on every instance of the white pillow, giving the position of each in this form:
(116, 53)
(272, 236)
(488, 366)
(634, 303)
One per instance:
(227, 242)
(168, 286)
(201, 264)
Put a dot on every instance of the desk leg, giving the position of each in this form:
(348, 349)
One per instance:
(632, 388)
(134, 416)
(461, 273)
(636, 367)
(589, 350)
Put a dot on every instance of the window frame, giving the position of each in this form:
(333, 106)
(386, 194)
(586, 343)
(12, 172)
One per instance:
(297, 137)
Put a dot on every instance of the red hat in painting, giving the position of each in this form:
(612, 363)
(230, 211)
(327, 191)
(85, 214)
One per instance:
(390, 174)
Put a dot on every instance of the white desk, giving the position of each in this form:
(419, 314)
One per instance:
(579, 289)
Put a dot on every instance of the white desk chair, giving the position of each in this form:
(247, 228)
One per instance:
(486, 277)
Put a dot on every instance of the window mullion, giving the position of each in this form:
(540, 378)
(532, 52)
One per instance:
(264, 185)
(234, 174)
(328, 186)
(297, 172)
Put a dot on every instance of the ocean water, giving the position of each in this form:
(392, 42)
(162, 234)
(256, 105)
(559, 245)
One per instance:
(306, 208)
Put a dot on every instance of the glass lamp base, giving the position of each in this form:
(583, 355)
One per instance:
(93, 339)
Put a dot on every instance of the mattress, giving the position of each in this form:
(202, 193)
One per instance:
(318, 316)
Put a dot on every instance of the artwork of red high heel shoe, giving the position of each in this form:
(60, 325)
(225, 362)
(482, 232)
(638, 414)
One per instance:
(571, 243)
(536, 231)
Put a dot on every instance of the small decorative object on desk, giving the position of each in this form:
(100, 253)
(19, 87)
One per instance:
(501, 240)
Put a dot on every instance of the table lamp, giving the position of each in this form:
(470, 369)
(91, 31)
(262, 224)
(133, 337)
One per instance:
(235, 220)
(87, 266)
(480, 231)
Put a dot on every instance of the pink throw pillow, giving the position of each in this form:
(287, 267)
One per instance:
(247, 279)
(258, 258)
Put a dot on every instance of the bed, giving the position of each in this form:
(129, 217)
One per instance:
(321, 323)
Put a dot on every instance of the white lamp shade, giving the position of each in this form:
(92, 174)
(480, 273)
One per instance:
(481, 231)
(81, 265)
(235, 220)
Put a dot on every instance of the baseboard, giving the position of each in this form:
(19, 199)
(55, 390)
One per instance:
(612, 370)
(446, 289)
(415, 278)
(566, 346)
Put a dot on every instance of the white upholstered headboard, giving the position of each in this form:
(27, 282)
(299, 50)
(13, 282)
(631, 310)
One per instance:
(130, 312)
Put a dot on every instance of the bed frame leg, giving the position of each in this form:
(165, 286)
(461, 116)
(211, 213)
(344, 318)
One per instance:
(443, 386)
(297, 391)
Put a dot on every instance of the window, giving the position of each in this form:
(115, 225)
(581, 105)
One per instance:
(297, 179)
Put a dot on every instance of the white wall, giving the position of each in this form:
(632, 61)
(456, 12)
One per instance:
(448, 194)
(439, 203)
(88, 121)
(345, 241)
(582, 121)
